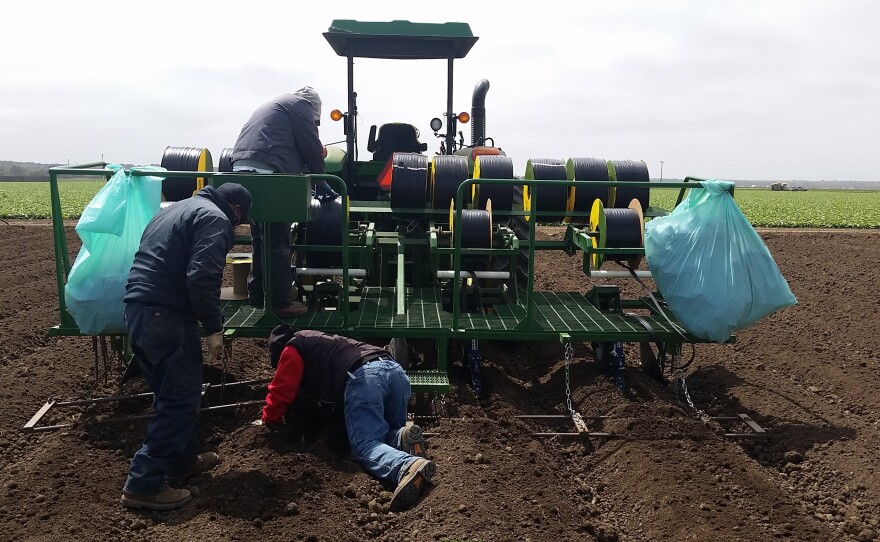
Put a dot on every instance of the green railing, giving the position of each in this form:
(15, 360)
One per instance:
(277, 198)
(528, 323)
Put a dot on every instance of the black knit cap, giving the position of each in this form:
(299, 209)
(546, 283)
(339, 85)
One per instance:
(236, 194)
(278, 339)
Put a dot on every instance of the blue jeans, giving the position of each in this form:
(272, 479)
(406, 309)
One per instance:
(167, 345)
(280, 271)
(375, 411)
(279, 265)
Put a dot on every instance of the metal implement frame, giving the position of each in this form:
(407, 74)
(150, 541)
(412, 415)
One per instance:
(32, 425)
(400, 310)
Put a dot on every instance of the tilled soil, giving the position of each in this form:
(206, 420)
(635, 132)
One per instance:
(808, 374)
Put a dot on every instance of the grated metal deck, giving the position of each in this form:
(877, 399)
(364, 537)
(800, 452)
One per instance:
(375, 313)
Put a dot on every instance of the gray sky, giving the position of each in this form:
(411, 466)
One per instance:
(773, 89)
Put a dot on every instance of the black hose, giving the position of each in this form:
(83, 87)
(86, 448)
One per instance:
(447, 173)
(409, 182)
(494, 166)
(181, 159)
(225, 162)
(550, 198)
(629, 171)
(587, 169)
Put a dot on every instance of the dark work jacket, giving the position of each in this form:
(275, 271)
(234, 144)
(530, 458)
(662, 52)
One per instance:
(327, 360)
(283, 134)
(181, 257)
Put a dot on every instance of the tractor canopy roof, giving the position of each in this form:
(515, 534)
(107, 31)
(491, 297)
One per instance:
(400, 39)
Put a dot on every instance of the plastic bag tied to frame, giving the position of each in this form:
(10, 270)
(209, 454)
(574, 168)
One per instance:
(711, 266)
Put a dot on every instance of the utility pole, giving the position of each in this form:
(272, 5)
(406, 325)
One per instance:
(661, 170)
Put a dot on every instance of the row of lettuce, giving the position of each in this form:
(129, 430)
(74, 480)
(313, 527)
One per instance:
(763, 207)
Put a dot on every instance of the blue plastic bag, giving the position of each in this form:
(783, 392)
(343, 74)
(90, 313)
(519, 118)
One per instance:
(711, 266)
(110, 228)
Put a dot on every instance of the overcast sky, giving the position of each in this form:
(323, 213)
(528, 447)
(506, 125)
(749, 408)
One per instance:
(737, 90)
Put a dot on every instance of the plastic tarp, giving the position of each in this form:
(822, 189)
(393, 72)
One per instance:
(110, 227)
(711, 266)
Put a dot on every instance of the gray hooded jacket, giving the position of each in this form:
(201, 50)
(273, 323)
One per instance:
(283, 134)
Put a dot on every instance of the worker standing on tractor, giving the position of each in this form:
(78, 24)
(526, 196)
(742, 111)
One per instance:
(281, 136)
(173, 285)
(373, 391)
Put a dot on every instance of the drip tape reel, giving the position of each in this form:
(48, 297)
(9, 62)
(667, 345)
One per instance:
(409, 182)
(552, 198)
(447, 173)
(583, 196)
(224, 165)
(493, 167)
(617, 228)
(184, 159)
(324, 228)
(623, 171)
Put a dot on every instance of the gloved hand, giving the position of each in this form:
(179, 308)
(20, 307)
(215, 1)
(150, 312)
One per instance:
(215, 346)
(323, 191)
(269, 426)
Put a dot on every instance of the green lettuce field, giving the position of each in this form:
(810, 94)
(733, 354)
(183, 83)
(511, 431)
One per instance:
(764, 208)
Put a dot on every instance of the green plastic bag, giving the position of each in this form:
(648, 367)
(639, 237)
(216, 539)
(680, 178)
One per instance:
(110, 228)
(711, 266)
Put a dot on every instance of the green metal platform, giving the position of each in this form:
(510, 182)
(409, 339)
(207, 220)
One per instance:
(376, 315)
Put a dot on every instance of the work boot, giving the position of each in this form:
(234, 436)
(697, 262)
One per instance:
(203, 463)
(293, 310)
(418, 474)
(167, 499)
(412, 441)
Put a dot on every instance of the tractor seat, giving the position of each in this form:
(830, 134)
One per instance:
(394, 137)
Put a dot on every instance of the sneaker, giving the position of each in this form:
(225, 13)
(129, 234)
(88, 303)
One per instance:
(410, 487)
(293, 310)
(412, 441)
(167, 499)
(204, 462)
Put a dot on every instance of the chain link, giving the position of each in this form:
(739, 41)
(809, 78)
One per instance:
(576, 418)
(681, 383)
(439, 406)
(569, 354)
(227, 353)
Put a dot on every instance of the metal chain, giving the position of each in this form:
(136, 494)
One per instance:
(680, 382)
(227, 353)
(439, 406)
(576, 418)
(569, 354)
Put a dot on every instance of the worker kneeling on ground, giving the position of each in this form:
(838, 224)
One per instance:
(374, 391)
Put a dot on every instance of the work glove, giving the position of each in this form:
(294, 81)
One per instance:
(269, 426)
(215, 346)
(323, 191)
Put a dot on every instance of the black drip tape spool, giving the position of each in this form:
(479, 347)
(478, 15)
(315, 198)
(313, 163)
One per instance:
(476, 232)
(409, 181)
(617, 228)
(494, 167)
(630, 171)
(225, 163)
(184, 159)
(587, 169)
(476, 228)
(550, 198)
(447, 173)
(324, 229)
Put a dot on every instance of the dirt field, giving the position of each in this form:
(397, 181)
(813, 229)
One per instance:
(808, 374)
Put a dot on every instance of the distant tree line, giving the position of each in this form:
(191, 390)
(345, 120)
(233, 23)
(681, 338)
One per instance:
(24, 171)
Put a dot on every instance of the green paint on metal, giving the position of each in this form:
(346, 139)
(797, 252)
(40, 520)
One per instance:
(400, 39)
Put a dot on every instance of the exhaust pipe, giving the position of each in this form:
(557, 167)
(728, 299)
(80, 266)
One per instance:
(478, 113)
